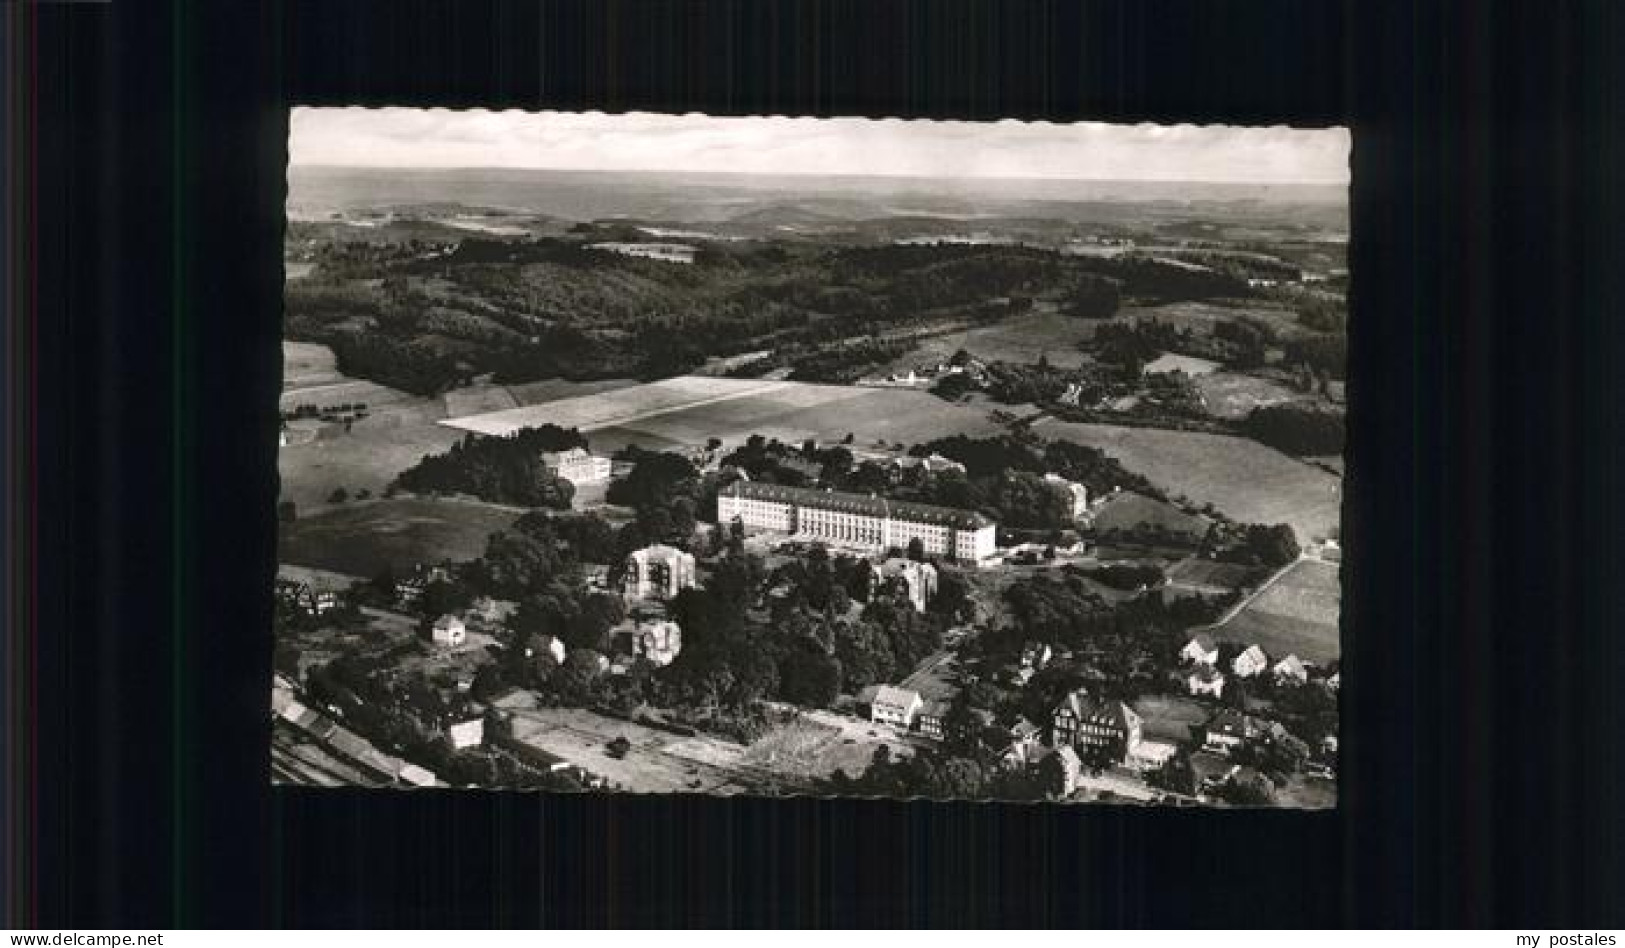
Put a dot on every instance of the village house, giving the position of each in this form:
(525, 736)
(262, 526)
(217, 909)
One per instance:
(918, 581)
(1290, 672)
(657, 572)
(895, 706)
(312, 590)
(1080, 721)
(659, 641)
(1252, 661)
(448, 631)
(1023, 745)
(1335, 680)
(1205, 680)
(933, 719)
(1200, 650)
(1229, 730)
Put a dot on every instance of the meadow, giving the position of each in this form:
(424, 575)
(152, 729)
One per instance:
(363, 538)
(1243, 479)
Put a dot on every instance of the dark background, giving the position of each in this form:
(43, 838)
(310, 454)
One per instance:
(1482, 752)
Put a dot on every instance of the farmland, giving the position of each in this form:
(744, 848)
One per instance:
(1043, 332)
(1297, 614)
(1243, 479)
(690, 409)
(362, 538)
(1230, 395)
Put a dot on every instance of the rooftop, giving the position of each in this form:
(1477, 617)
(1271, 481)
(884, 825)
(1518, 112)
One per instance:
(868, 505)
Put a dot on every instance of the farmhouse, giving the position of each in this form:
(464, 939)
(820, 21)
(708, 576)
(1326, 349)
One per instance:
(657, 572)
(576, 466)
(1229, 730)
(875, 523)
(313, 590)
(895, 706)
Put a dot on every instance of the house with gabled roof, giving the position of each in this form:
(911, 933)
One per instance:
(1290, 672)
(1252, 661)
(1204, 679)
(1200, 650)
(895, 706)
(1081, 721)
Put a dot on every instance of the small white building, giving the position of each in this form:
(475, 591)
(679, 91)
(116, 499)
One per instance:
(1205, 680)
(1200, 650)
(895, 706)
(657, 572)
(465, 734)
(1250, 662)
(1290, 672)
(449, 631)
(919, 580)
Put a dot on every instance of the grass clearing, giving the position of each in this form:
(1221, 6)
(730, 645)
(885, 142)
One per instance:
(1229, 395)
(1169, 717)
(362, 538)
(1243, 479)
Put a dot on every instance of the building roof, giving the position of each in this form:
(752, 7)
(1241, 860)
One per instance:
(447, 621)
(1205, 674)
(1085, 708)
(1254, 653)
(319, 580)
(935, 709)
(866, 505)
(660, 552)
(1291, 665)
(890, 696)
(1204, 641)
(553, 458)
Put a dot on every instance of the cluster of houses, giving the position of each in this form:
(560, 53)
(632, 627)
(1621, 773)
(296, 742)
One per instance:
(1203, 677)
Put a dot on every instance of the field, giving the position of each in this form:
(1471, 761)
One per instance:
(1023, 339)
(1228, 395)
(691, 409)
(1208, 573)
(1202, 317)
(1169, 718)
(1297, 615)
(478, 399)
(1243, 479)
(321, 456)
(1129, 511)
(1190, 365)
(361, 538)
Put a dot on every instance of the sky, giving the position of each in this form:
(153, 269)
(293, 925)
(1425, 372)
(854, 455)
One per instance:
(638, 141)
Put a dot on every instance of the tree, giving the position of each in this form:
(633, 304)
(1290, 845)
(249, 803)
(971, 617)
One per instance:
(916, 550)
(809, 678)
(287, 511)
(339, 496)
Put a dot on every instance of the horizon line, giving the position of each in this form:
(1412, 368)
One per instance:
(327, 166)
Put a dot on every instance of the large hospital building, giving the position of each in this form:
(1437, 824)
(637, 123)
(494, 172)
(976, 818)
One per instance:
(858, 520)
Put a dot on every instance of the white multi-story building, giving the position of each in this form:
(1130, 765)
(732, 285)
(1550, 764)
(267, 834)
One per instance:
(576, 466)
(919, 580)
(657, 572)
(875, 523)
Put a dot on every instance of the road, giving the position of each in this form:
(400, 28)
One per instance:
(1248, 599)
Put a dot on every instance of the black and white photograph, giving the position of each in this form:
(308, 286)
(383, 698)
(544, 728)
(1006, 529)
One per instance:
(946, 460)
